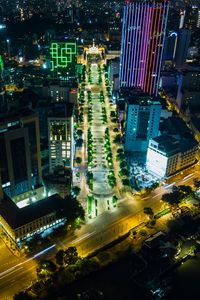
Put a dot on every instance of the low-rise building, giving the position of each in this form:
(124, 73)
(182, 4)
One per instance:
(167, 155)
(22, 223)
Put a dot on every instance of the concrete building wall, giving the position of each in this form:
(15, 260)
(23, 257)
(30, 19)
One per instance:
(61, 147)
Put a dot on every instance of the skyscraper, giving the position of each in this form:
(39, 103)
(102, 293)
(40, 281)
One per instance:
(183, 42)
(143, 35)
(20, 162)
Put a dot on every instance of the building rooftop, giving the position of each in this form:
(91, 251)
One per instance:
(137, 96)
(17, 217)
(170, 145)
(16, 115)
(61, 110)
(61, 83)
(175, 126)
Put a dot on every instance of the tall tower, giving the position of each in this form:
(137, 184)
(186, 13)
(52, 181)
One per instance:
(143, 35)
(183, 43)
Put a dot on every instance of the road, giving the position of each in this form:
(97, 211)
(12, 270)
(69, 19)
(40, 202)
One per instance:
(94, 234)
(91, 236)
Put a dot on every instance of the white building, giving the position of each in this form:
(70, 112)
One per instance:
(167, 155)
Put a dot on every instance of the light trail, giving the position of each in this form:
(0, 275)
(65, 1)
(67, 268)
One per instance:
(85, 236)
(188, 176)
(12, 269)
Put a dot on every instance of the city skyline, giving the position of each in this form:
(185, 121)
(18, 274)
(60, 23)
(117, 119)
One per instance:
(99, 149)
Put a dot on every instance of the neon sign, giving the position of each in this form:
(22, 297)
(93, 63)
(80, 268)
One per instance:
(62, 55)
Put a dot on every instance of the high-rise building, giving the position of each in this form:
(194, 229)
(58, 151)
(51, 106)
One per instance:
(61, 136)
(170, 46)
(20, 162)
(183, 43)
(142, 118)
(64, 60)
(113, 69)
(143, 35)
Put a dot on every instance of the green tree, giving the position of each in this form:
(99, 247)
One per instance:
(60, 255)
(142, 232)
(45, 269)
(148, 211)
(126, 182)
(79, 132)
(117, 139)
(71, 256)
(74, 209)
(76, 190)
(174, 198)
(78, 160)
(88, 265)
(22, 296)
(112, 114)
(79, 142)
(186, 190)
(124, 172)
(123, 164)
(134, 233)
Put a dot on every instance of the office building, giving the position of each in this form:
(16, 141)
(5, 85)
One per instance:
(189, 91)
(142, 117)
(20, 162)
(169, 51)
(64, 60)
(65, 92)
(167, 155)
(183, 43)
(113, 69)
(143, 36)
(61, 136)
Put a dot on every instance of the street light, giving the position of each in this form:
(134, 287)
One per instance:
(8, 45)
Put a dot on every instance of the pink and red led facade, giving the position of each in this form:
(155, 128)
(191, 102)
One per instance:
(143, 35)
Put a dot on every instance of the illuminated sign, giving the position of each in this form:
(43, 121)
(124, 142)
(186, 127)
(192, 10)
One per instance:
(62, 55)
(173, 34)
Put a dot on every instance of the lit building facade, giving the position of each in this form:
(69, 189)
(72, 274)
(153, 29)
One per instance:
(61, 136)
(64, 60)
(143, 36)
(167, 155)
(142, 118)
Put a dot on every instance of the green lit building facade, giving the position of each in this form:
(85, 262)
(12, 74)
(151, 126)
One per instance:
(64, 60)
